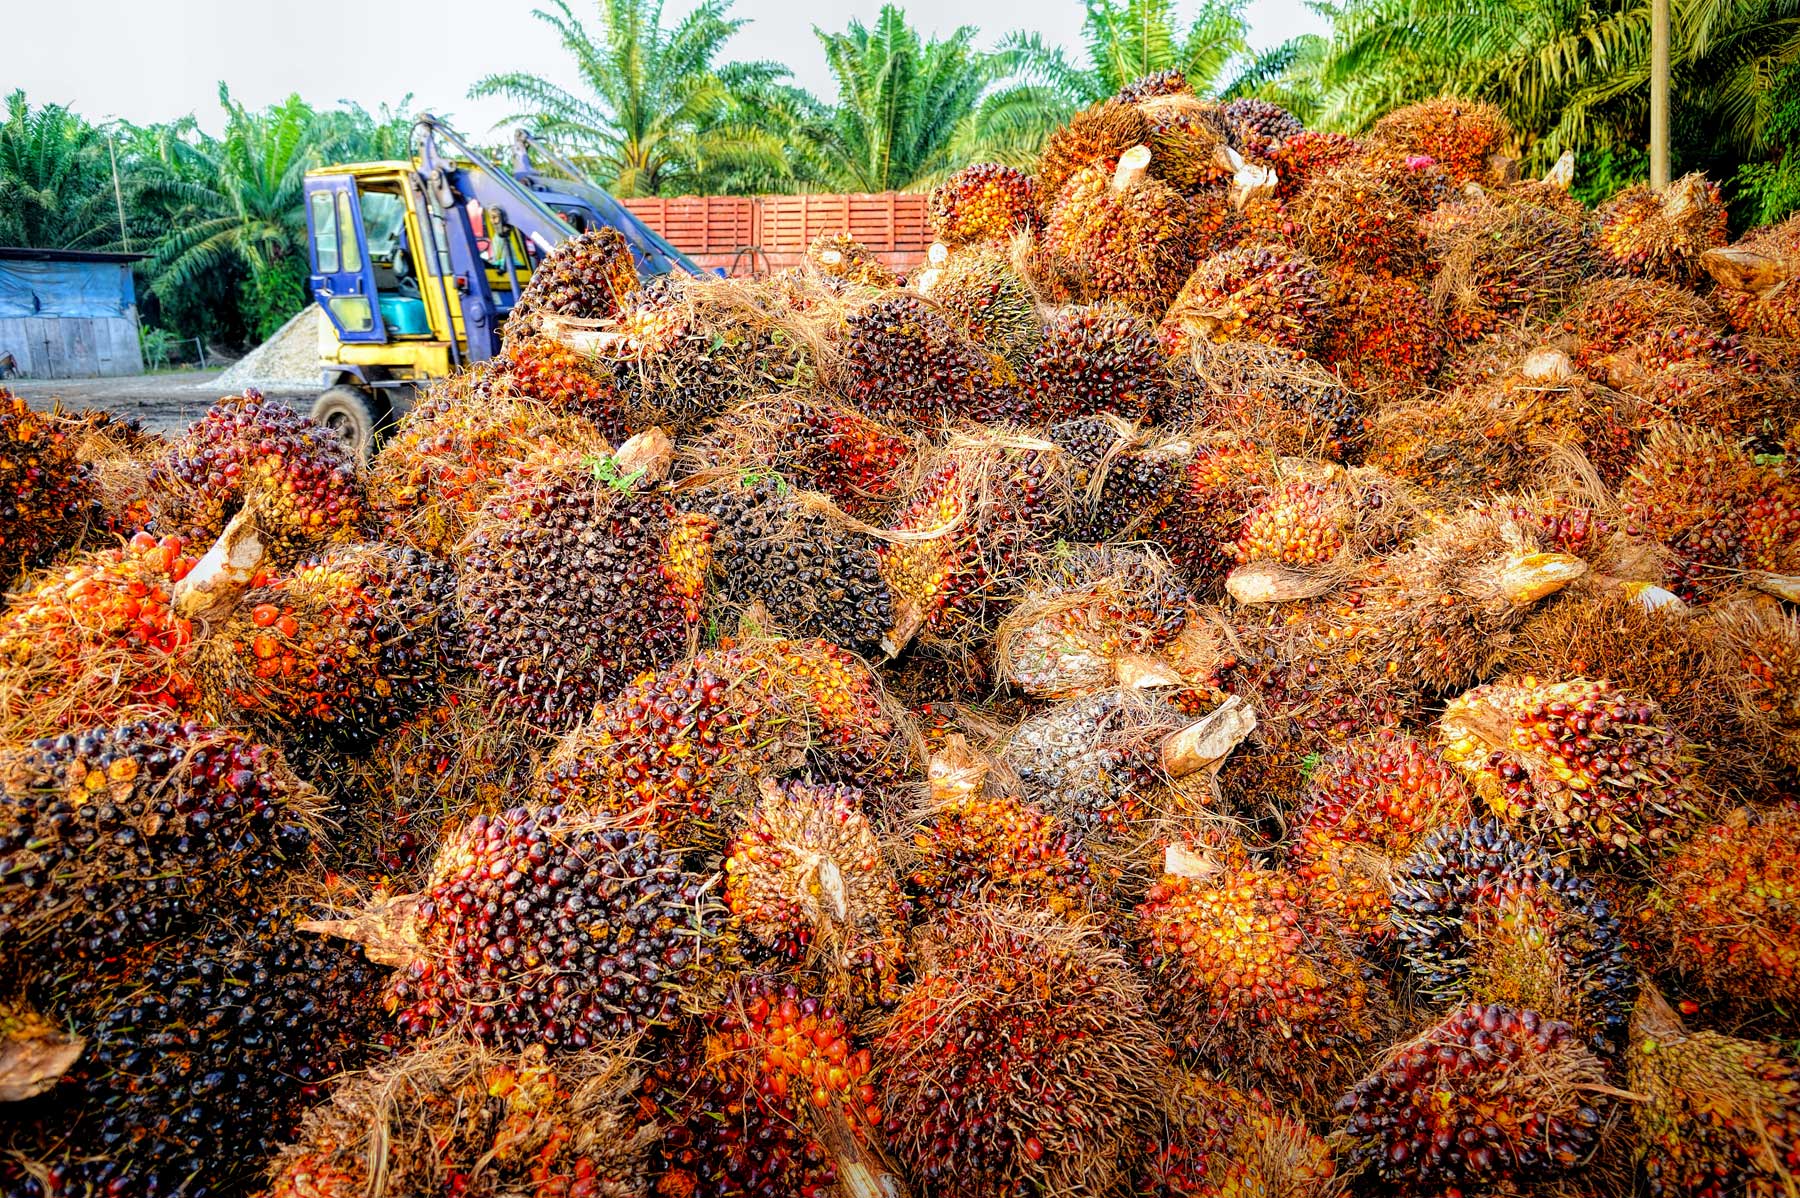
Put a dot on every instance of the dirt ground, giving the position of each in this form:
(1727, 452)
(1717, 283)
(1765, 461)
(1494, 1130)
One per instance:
(165, 403)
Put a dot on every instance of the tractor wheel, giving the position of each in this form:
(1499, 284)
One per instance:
(352, 415)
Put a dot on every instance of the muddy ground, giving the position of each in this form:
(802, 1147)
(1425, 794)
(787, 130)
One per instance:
(165, 403)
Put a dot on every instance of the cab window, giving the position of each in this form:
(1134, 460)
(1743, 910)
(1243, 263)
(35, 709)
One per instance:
(352, 244)
(325, 238)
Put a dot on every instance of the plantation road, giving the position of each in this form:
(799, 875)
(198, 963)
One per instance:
(162, 403)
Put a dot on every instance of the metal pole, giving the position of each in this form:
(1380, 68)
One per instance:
(1659, 94)
(118, 195)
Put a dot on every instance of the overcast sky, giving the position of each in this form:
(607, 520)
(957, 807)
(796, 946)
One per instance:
(154, 60)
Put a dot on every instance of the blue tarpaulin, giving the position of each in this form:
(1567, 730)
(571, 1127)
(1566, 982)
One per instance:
(80, 289)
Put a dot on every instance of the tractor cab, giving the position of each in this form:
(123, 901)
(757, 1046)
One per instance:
(417, 265)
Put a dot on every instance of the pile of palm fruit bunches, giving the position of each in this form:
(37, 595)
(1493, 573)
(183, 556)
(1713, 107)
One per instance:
(1267, 666)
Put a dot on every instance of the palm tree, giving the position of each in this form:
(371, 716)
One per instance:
(903, 102)
(55, 181)
(1122, 40)
(235, 202)
(660, 115)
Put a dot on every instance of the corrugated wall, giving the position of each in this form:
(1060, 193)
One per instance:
(754, 234)
(72, 347)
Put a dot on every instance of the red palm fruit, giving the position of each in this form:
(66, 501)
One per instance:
(115, 836)
(590, 276)
(1367, 804)
(983, 292)
(814, 444)
(1298, 524)
(905, 363)
(976, 846)
(1129, 231)
(1092, 359)
(568, 382)
(450, 452)
(1022, 1059)
(85, 643)
(1277, 399)
(1198, 530)
(1490, 1096)
(296, 477)
(45, 492)
(1720, 1115)
(1483, 916)
(1257, 125)
(1171, 82)
(1384, 334)
(1661, 235)
(521, 1122)
(571, 580)
(980, 506)
(1220, 1142)
(679, 751)
(1608, 315)
(1459, 135)
(1094, 137)
(1256, 293)
(1758, 651)
(338, 653)
(983, 202)
(807, 878)
(1578, 762)
(116, 453)
(542, 926)
(1348, 216)
(1305, 156)
(1498, 263)
(1247, 979)
(1727, 900)
(1185, 138)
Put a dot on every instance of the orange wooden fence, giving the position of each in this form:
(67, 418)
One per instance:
(755, 234)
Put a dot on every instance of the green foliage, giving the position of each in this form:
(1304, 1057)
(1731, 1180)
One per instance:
(155, 345)
(1601, 175)
(1770, 191)
(55, 180)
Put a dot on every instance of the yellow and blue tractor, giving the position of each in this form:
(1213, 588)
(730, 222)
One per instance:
(416, 266)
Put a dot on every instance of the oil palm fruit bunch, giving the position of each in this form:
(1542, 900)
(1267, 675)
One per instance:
(590, 276)
(1102, 616)
(1384, 335)
(1310, 529)
(1720, 1115)
(1608, 314)
(1483, 916)
(1711, 381)
(45, 494)
(1349, 216)
(1460, 135)
(1490, 1097)
(542, 925)
(960, 541)
(114, 836)
(1256, 125)
(841, 256)
(975, 845)
(1751, 275)
(1095, 137)
(1094, 359)
(1714, 506)
(550, 373)
(1254, 292)
(1121, 479)
(340, 652)
(1498, 263)
(459, 1117)
(1129, 230)
(1366, 807)
(450, 453)
(771, 1094)
(297, 479)
(807, 878)
(1021, 1059)
(1278, 399)
(1307, 155)
(1726, 900)
(1578, 762)
(1298, 523)
(201, 1053)
(571, 580)
(983, 293)
(905, 363)
(1185, 138)
(982, 202)
(1222, 480)
(1217, 1141)
(1172, 82)
(86, 642)
(687, 349)
(1663, 235)
(814, 443)
(1248, 980)
(679, 751)
(116, 452)
(1758, 650)
(814, 576)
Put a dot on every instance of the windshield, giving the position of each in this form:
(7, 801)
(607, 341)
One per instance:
(384, 223)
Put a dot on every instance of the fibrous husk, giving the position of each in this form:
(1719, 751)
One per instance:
(1277, 399)
(1757, 277)
(1502, 262)
(1460, 135)
(841, 256)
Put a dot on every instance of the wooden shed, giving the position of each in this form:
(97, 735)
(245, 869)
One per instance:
(755, 234)
(68, 314)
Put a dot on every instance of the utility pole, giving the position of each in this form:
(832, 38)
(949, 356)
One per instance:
(118, 194)
(1659, 94)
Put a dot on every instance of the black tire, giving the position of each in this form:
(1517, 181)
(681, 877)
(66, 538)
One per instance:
(352, 415)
